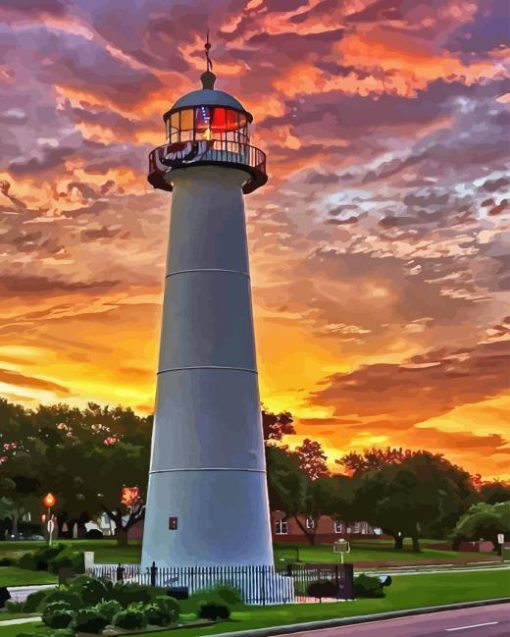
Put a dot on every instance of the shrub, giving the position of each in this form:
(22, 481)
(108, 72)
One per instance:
(210, 610)
(57, 615)
(91, 590)
(94, 534)
(130, 618)
(15, 607)
(127, 594)
(109, 609)
(322, 589)
(7, 561)
(168, 605)
(366, 586)
(73, 600)
(229, 594)
(38, 560)
(68, 558)
(90, 620)
(35, 600)
(157, 616)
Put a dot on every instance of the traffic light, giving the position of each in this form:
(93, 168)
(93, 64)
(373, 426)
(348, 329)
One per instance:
(172, 524)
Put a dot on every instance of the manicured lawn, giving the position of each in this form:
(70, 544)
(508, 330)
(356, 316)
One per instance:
(406, 591)
(13, 576)
(371, 551)
(107, 552)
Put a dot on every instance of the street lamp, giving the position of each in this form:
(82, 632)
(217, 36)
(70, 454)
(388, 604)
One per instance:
(49, 501)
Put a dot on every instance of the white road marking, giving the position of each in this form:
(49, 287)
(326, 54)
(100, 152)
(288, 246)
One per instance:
(471, 626)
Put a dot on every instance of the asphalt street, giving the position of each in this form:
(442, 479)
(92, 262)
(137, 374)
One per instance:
(484, 621)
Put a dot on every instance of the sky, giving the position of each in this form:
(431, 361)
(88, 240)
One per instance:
(379, 247)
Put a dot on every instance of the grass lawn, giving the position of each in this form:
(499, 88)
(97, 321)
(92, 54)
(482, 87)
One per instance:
(107, 552)
(12, 576)
(371, 551)
(406, 591)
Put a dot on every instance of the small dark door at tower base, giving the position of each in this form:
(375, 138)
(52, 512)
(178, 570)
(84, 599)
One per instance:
(344, 574)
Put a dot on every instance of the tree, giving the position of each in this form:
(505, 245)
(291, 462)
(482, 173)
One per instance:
(275, 426)
(84, 457)
(495, 491)
(312, 459)
(404, 498)
(359, 463)
(292, 491)
(483, 521)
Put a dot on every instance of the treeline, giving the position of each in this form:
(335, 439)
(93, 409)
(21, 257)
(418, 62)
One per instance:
(86, 457)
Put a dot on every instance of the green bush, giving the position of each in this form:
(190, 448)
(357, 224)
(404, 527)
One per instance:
(366, 586)
(35, 601)
(157, 616)
(131, 618)
(168, 605)
(91, 590)
(210, 610)
(7, 561)
(68, 558)
(109, 609)
(229, 594)
(129, 593)
(15, 607)
(39, 560)
(90, 620)
(57, 615)
(73, 600)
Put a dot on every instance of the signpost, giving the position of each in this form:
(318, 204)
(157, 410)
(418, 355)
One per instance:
(342, 547)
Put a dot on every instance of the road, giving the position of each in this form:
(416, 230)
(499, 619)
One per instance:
(484, 621)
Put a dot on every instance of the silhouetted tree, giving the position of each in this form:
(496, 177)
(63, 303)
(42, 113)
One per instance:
(312, 459)
(275, 426)
(495, 491)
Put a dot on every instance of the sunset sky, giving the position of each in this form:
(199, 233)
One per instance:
(379, 247)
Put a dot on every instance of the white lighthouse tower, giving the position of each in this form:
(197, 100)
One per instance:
(207, 502)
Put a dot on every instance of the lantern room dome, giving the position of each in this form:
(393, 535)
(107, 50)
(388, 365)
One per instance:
(208, 96)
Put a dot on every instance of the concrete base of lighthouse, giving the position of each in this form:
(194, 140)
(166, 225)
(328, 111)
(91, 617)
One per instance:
(207, 502)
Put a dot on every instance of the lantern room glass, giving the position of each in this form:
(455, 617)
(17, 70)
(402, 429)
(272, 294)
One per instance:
(224, 125)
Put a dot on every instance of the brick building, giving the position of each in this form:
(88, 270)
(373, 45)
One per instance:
(287, 530)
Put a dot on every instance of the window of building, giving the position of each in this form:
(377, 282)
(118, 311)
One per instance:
(356, 527)
(310, 523)
(339, 527)
(281, 527)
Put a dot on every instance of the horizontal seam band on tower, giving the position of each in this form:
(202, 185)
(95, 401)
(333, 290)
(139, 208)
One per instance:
(209, 469)
(179, 369)
(240, 272)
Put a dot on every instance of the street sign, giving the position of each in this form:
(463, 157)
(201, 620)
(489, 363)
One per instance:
(501, 538)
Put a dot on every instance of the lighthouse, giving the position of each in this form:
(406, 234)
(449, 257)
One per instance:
(207, 501)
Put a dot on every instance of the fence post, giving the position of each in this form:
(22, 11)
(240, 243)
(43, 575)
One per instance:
(337, 581)
(120, 573)
(154, 572)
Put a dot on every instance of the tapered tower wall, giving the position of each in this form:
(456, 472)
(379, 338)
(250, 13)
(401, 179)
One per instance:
(207, 463)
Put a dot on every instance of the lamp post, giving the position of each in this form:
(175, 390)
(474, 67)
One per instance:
(49, 501)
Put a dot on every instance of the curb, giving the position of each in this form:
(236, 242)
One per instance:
(288, 629)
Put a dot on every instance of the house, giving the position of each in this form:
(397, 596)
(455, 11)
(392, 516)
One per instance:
(327, 529)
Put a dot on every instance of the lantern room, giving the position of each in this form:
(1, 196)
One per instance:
(207, 126)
